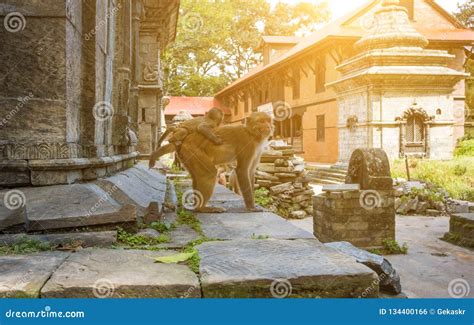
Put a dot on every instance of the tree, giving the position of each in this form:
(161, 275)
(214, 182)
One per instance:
(465, 13)
(217, 41)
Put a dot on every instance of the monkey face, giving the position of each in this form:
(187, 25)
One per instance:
(261, 123)
(216, 115)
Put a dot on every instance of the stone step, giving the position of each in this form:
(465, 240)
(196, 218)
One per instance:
(72, 206)
(115, 273)
(23, 276)
(139, 186)
(247, 268)
(248, 225)
(108, 202)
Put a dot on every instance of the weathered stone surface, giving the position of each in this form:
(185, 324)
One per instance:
(388, 276)
(73, 206)
(181, 236)
(24, 275)
(237, 226)
(83, 239)
(461, 229)
(363, 218)
(120, 274)
(299, 268)
(142, 187)
(148, 233)
(370, 168)
(11, 218)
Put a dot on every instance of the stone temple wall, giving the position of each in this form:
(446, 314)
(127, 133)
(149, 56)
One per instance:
(69, 87)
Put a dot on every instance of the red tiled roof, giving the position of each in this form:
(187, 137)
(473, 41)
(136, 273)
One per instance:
(194, 105)
(337, 29)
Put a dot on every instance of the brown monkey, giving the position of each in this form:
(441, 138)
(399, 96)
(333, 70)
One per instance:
(243, 144)
(203, 125)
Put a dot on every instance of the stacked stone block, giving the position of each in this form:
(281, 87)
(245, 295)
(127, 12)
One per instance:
(363, 218)
(284, 176)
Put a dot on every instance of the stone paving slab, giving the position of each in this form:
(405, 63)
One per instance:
(120, 274)
(248, 225)
(140, 186)
(280, 268)
(22, 276)
(11, 218)
(83, 239)
(72, 206)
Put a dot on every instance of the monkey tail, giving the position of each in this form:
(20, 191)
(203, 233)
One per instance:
(163, 136)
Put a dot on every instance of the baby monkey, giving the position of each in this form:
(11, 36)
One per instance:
(203, 125)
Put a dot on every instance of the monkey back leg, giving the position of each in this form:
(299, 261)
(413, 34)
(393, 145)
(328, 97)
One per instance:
(203, 173)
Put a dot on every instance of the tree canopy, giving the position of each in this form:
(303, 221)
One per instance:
(217, 41)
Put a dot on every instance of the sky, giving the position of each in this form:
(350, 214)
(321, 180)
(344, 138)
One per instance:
(341, 7)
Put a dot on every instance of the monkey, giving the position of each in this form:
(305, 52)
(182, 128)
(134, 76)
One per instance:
(242, 144)
(203, 125)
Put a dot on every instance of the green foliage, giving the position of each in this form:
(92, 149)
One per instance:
(134, 240)
(25, 246)
(194, 261)
(465, 147)
(217, 41)
(427, 194)
(465, 13)
(448, 175)
(162, 227)
(187, 218)
(263, 198)
(390, 247)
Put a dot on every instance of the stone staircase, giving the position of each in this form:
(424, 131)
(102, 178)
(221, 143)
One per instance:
(319, 174)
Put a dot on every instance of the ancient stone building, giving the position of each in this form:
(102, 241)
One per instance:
(395, 94)
(294, 78)
(79, 80)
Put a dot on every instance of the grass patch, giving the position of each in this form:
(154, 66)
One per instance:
(188, 218)
(25, 246)
(390, 247)
(135, 240)
(465, 147)
(162, 227)
(455, 176)
(194, 262)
